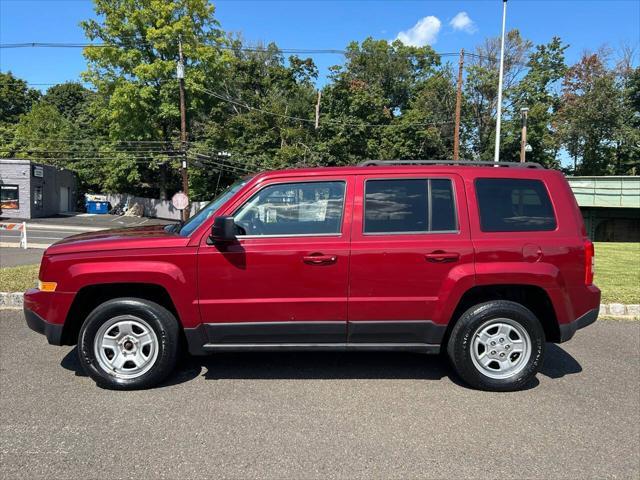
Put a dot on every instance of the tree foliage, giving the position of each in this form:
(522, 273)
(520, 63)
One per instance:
(250, 109)
(16, 98)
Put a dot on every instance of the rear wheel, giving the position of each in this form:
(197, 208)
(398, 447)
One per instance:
(128, 343)
(497, 345)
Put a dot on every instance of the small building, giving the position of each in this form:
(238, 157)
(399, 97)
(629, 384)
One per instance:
(31, 190)
(610, 207)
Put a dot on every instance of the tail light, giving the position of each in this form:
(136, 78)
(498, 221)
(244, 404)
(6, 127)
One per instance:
(589, 262)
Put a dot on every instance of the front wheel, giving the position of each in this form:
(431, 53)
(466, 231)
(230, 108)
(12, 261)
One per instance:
(128, 344)
(497, 345)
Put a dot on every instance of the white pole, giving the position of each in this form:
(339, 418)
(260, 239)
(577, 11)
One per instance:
(23, 240)
(496, 155)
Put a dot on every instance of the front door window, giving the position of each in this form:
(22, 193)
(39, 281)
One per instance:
(293, 209)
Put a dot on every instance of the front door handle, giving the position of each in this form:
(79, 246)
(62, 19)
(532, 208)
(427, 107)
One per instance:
(319, 259)
(440, 257)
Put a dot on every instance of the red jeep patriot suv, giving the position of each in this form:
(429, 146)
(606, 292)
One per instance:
(485, 262)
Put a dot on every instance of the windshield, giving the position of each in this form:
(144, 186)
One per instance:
(209, 209)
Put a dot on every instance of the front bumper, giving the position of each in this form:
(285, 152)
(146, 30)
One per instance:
(568, 330)
(52, 331)
(46, 312)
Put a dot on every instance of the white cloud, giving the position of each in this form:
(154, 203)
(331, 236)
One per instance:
(462, 21)
(425, 32)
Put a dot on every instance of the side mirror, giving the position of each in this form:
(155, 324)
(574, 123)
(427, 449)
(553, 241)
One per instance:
(223, 229)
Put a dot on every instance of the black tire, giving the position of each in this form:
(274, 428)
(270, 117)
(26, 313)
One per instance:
(460, 345)
(159, 319)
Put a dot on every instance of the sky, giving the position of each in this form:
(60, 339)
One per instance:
(448, 26)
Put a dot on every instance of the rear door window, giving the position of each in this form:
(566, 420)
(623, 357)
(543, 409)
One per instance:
(412, 205)
(514, 205)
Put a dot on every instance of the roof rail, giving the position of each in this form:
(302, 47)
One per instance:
(461, 163)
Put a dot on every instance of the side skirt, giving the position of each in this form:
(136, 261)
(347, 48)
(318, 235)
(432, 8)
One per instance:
(408, 336)
(321, 347)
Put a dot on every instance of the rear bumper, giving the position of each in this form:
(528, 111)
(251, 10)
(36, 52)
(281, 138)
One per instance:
(568, 330)
(52, 331)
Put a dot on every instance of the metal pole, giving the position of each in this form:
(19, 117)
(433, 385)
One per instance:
(318, 110)
(456, 133)
(183, 129)
(523, 138)
(496, 154)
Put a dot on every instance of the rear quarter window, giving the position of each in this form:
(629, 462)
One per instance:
(514, 205)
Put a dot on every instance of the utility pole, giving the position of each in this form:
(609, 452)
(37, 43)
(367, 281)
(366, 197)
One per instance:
(456, 133)
(524, 112)
(496, 154)
(183, 128)
(318, 110)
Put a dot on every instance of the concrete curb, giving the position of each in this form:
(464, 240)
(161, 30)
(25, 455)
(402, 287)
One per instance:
(15, 300)
(11, 299)
(620, 309)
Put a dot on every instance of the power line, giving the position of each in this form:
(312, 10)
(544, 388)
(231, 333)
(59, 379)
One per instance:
(217, 166)
(19, 82)
(307, 120)
(129, 154)
(199, 157)
(229, 161)
(249, 107)
(312, 51)
(89, 159)
(103, 141)
(332, 51)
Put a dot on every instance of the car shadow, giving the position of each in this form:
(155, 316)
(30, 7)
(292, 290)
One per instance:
(559, 363)
(331, 366)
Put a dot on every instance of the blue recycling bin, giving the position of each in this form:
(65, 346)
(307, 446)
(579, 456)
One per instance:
(97, 207)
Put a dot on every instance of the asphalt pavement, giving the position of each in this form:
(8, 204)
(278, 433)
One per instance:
(13, 257)
(322, 415)
(42, 232)
(39, 236)
(90, 221)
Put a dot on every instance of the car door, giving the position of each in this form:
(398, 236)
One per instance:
(285, 279)
(410, 239)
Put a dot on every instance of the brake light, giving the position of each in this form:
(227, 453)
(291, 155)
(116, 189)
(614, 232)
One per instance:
(589, 262)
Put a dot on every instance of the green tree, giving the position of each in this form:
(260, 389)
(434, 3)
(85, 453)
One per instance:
(42, 134)
(592, 115)
(481, 89)
(538, 90)
(396, 69)
(71, 99)
(425, 128)
(16, 98)
(134, 73)
(627, 138)
(45, 135)
(262, 111)
(369, 107)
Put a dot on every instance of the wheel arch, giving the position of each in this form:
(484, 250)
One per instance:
(533, 297)
(90, 296)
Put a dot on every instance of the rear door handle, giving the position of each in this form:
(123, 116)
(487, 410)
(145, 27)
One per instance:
(441, 257)
(319, 259)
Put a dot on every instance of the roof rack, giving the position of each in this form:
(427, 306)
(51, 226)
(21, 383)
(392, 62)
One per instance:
(461, 163)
